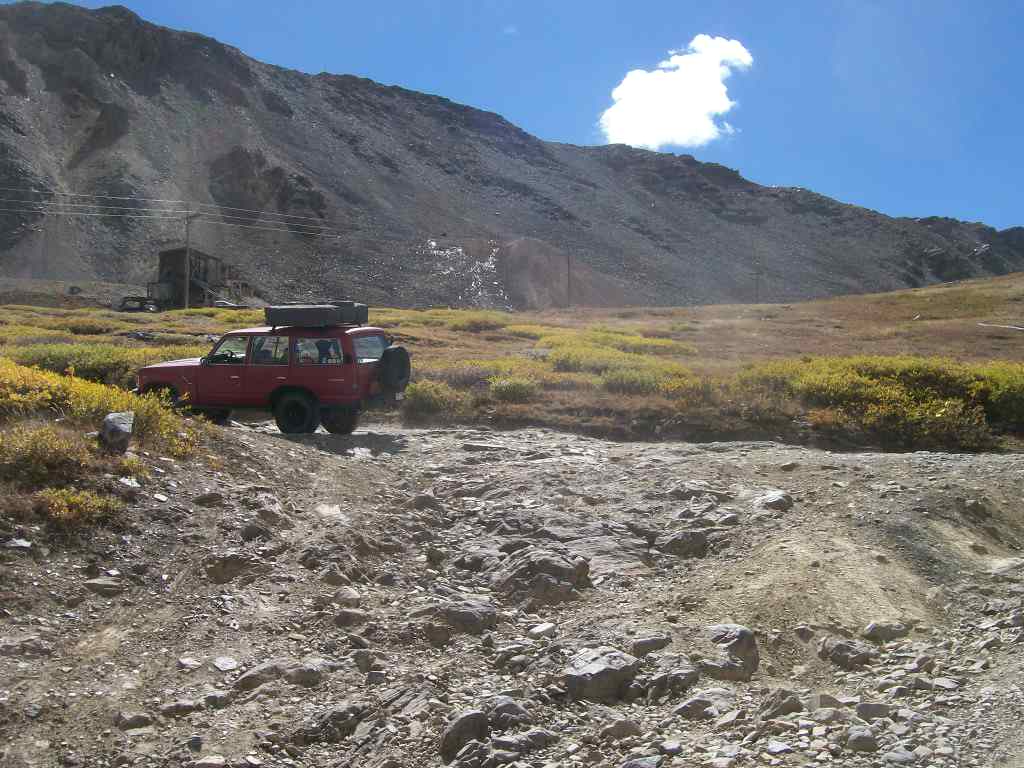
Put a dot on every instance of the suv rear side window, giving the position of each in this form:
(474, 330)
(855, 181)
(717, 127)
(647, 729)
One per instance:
(369, 349)
(270, 350)
(231, 351)
(322, 351)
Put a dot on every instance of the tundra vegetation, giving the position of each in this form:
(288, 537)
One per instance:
(906, 371)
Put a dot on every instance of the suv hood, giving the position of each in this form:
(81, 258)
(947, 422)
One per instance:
(188, 362)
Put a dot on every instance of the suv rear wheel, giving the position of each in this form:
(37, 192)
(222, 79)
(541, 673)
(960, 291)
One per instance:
(296, 413)
(341, 421)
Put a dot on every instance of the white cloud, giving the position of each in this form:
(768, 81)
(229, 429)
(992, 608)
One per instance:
(679, 103)
(510, 29)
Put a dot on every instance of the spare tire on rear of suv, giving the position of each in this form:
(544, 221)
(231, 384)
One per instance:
(394, 369)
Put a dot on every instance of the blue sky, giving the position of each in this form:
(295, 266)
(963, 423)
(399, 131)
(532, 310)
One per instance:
(910, 108)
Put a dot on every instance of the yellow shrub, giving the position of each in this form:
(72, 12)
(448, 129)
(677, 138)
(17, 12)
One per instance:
(513, 389)
(32, 456)
(475, 322)
(28, 391)
(426, 399)
(67, 507)
(101, 362)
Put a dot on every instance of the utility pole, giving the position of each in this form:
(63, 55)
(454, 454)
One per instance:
(188, 254)
(568, 279)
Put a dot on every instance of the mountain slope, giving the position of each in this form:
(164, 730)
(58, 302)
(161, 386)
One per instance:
(428, 193)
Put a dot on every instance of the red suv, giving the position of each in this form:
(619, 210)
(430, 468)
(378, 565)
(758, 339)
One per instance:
(306, 375)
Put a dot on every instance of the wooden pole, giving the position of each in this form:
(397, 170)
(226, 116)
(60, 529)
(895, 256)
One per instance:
(188, 257)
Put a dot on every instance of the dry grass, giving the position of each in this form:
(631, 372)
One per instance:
(635, 371)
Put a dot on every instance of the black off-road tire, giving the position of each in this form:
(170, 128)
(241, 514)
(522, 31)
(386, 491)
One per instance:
(219, 416)
(394, 369)
(341, 421)
(296, 413)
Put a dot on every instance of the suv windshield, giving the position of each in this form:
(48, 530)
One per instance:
(231, 351)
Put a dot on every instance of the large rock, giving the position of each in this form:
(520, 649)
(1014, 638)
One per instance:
(859, 738)
(779, 703)
(106, 586)
(739, 646)
(469, 725)
(506, 713)
(600, 674)
(848, 654)
(472, 616)
(777, 500)
(706, 705)
(541, 575)
(884, 631)
(331, 725)
(225, 567)
(116, 431)
(683, 543)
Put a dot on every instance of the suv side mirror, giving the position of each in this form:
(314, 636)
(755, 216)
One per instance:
(204, 361)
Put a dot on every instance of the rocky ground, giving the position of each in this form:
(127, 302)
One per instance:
(419, 597)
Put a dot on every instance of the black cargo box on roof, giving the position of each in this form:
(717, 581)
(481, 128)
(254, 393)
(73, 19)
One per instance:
(317, 315)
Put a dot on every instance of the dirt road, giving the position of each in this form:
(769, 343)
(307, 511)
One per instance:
(407, 597)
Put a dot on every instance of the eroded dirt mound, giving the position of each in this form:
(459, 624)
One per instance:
(479, 598)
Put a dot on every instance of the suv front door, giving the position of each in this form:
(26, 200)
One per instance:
(222, 374)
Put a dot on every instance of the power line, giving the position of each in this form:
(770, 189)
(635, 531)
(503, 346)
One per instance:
(25, 190)
(45, 212)
(270, 229)
(265, 213)
(31, 191)
(290, 225)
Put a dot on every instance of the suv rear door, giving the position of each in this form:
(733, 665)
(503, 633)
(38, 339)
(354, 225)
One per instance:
(268, 368)
(368, 347)
(321, 365)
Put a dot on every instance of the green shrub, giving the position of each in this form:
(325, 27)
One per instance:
(475, 322)
(67, 507)
(630, 381)
(513, 389)
(27, 392)
(31, 457)
(427, 399)
(101, 362)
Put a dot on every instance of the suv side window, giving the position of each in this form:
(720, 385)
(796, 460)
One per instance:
(318, 351)
(270, 350)
(369, 349)
(230, 351)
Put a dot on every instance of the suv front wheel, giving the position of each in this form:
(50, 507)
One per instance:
(296, 413)
(341, 421)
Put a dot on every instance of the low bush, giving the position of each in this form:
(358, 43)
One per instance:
(627, 381)
(430, 399)
(67, 507)
(26, 392)
(475, 322)
(513, 389)
(101, 362)
(33, 456)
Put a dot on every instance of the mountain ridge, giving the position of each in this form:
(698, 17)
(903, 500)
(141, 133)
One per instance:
(104, 103)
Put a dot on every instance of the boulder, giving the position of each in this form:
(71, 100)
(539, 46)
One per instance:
(683, 543)
(468, 725)
(777, 500)
(645, 644)
(507, 713)
(739, 645)
(620, 729)
(332, 725)
(884, 631)
(106, 586)
(848, 654)
(541, 576)
(860, 738)
(471, 616)
(116, 431)
(600, 674)
(129, 721)
(779, 703)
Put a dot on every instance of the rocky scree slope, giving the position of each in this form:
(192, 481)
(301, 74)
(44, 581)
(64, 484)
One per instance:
(430, 194)
(479, 599)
